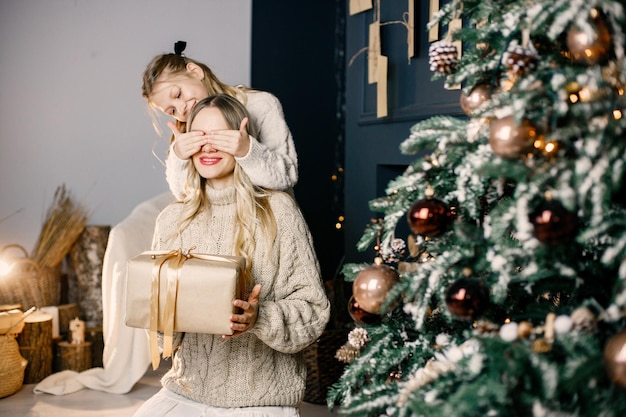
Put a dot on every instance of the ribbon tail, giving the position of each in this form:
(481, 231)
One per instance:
(154, 308)
(173, 273)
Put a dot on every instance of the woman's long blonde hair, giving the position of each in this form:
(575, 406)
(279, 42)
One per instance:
(174, 64)
(253, 208)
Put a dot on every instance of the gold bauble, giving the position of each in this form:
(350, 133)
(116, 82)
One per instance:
(509, 140)
(470, 102)
(615, 358)
(587, 49)
(371, 286)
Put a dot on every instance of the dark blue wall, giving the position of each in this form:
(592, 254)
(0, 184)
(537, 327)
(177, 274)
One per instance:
(295, 55)
(372, 144)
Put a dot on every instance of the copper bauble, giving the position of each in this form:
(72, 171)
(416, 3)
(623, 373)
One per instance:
(470, 102)
(467, 298)
(509, 140)
(615, 358)
(429, 217)
(371, 285)
(359, 315)
(587, 49)
(553, 223)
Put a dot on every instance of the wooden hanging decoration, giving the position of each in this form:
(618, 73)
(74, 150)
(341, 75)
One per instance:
(358, 6)
(377, 64)
(381, 87)
(373, 52)
(433, 33)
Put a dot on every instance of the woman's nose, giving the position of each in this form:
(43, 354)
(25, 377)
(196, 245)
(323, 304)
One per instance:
(207, 148)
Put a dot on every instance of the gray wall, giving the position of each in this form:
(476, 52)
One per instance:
(71, 110)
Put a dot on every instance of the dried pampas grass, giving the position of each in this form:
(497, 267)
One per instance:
(64, 222)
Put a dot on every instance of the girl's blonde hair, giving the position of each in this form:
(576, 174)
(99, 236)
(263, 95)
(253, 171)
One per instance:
(171, 65)
(252, 203)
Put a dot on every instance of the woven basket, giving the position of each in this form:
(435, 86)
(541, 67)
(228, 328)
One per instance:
(323, 369)
(12, 366)
(29, 284)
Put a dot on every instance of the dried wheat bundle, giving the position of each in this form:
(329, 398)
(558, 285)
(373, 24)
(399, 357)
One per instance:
(65, 221)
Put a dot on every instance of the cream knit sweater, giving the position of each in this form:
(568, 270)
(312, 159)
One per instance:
(264, 366)
(271, 162)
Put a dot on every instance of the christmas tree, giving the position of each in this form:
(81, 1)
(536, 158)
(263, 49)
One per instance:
(508, 296)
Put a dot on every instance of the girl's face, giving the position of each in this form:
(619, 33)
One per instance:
(216, 166)
(176, 94)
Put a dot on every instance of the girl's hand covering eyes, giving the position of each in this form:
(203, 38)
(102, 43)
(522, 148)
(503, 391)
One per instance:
(234, 142)
(186, 144)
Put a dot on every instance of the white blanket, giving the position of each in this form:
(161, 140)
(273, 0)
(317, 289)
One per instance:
(126, 350)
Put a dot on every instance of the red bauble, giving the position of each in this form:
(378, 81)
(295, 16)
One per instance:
(615, 358)
(467, 298)
(553, 223)
(371, 285)
(429, 217)
(359, 315)
(509, 140)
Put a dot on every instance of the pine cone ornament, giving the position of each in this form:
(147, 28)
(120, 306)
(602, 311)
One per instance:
(347, 353)
(443, 57)
(358, 337)
(518, 60)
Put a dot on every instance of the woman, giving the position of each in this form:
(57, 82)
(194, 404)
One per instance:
(258, 371)
(173, 84)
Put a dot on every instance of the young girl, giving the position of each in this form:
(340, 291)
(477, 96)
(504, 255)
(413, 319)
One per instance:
(257, 371)
(173, 84)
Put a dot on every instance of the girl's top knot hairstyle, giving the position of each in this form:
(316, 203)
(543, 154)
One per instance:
(179, 47)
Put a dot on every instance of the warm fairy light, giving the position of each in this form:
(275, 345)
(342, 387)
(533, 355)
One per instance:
(550, 147)
(507, 320)
(573, 97)
(538, 144)
(617, 114)
(339, 224)
(585, 94)
(334, 177)
(5, 268)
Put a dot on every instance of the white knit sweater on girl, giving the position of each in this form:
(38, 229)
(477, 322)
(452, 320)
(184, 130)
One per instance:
(271, 162)
(263, 366)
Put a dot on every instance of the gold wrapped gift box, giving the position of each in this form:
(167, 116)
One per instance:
(183, 292)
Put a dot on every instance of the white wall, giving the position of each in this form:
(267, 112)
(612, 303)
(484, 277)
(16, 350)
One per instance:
(71, 110)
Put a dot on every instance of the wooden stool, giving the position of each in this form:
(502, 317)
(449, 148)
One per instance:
(35, 342)
(74, 356)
